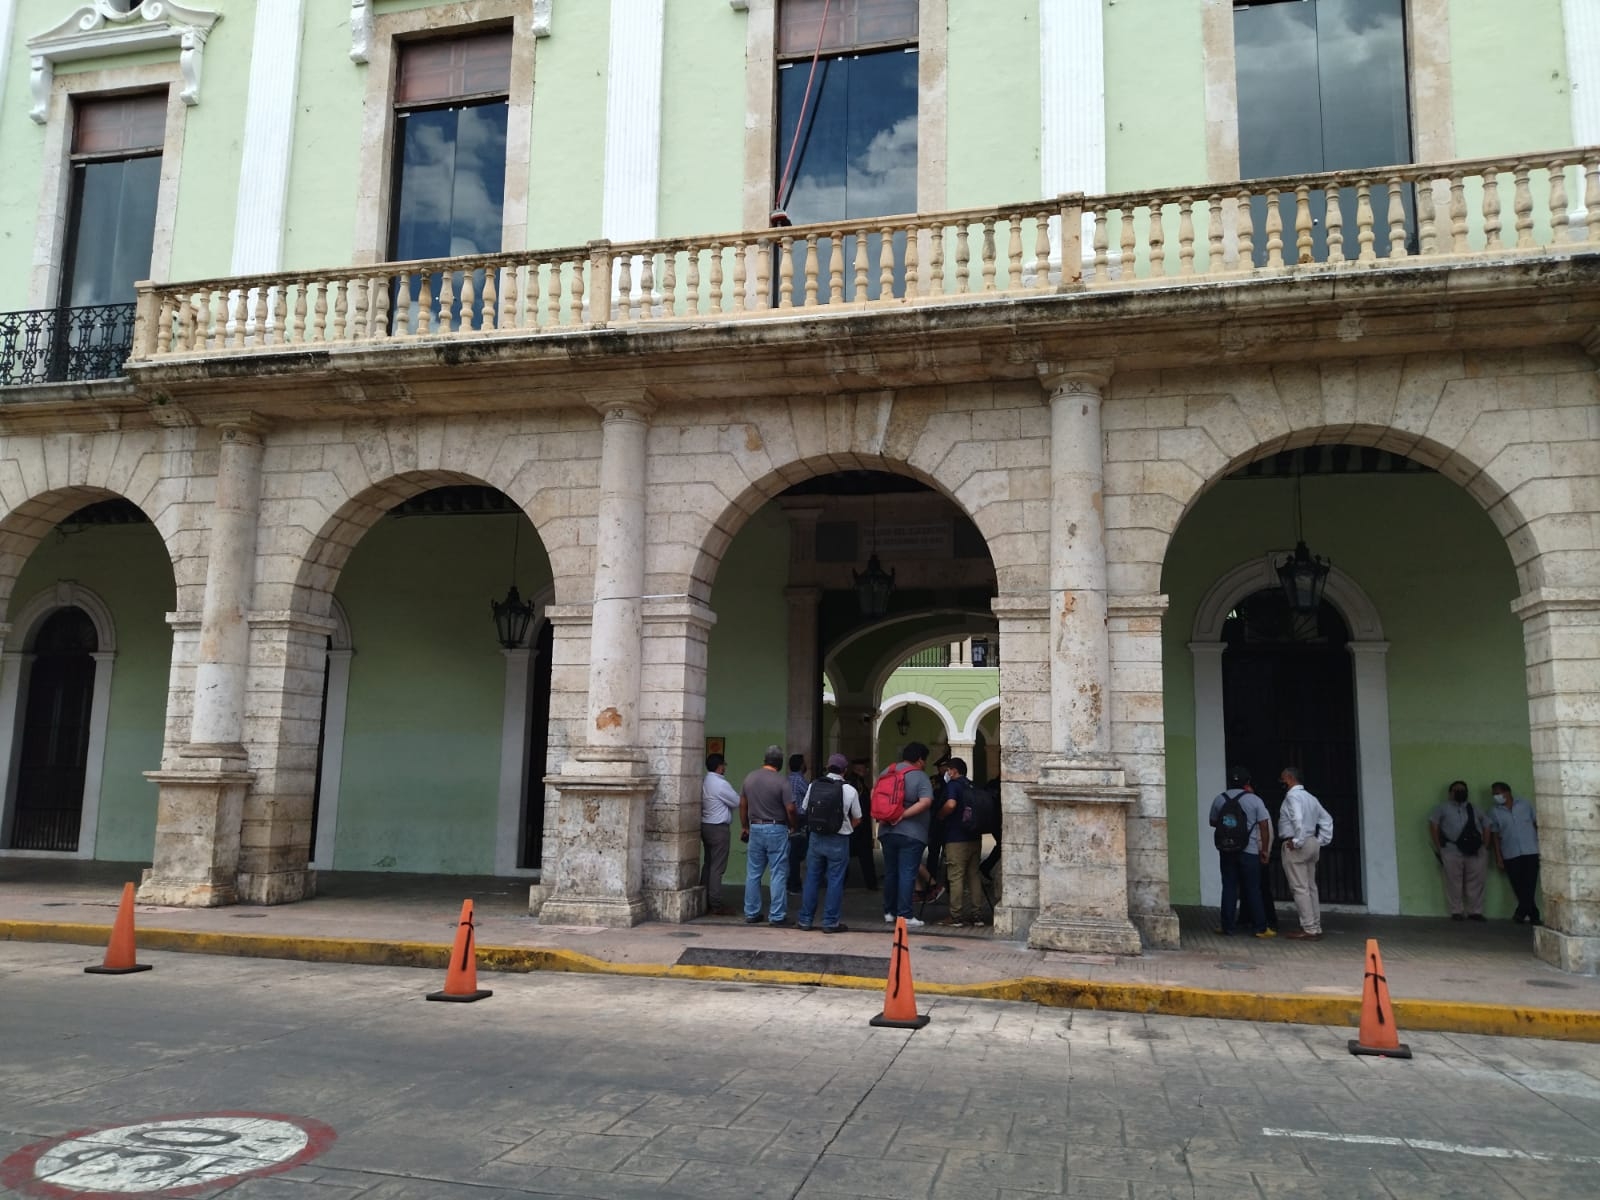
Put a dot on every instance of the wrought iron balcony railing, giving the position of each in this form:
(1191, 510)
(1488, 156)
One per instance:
(53, 345)
(1377, 219)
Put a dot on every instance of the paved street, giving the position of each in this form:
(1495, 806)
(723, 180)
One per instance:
(564, 1085)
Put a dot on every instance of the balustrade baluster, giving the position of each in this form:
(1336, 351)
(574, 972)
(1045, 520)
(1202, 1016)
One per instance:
(202, 321)
(1157, 239)
(669, 283)
(1274, 228)
(1245, 217)
(913, 286)
(530, 299)
(299, 333)
(1128, 266)
(1491, 210)
(380, 307)
(447, 302)
(786, 274)
(1214, 234)
(763, 274)
(258, 314)
(1303, 255)
(164, 326)
(1186, 235)
(491, 308)
(469, 303)
(424, 301)
(184, 320)
(692, 283)
(341, 307)
(1014, 253)
(741, 266)
(835, 268)
(1427, 219)
(1397, 219)
(510, 317)
(1458, 214)
(886, 263)
(236, 318)
(355, 330)
(963, 256)
(718, 303)
(402, 305)
(1102, 243)
(937, 284)
(647, 283)
(860, 280)
(624, 288)
(1364, 227)
(1041, 251)
(1560, 217)
(552, 296)
(1522, 206)
(988, 254)
(575, 301)
(1333, 221)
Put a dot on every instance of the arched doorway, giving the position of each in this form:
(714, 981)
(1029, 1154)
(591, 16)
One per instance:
(1289, 699)
(53, 750)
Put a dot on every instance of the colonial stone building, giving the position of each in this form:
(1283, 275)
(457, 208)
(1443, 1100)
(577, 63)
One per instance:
(1097, 328)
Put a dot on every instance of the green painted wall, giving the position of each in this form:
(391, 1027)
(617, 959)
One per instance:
(419, 788)
(959, 689)
(1442, 582)
(127, 567)
(702, 88)
(990, 42)
(1155, 94)
(323, 173)
(566, 182)
(1510, 87)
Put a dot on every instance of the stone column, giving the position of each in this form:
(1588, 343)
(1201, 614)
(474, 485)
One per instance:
(514, 717)
(1024, 631)
(1561, 633)
(1082, 796)
(201, 802)
(603, 788)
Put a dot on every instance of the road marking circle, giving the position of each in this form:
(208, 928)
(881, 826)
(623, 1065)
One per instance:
(169, 1156)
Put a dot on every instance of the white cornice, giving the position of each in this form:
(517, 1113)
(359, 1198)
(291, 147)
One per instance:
(96, 30)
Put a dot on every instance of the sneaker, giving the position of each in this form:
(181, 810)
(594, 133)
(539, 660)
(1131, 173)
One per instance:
(951, 921)
(1476, 917)
(804, 928)
(888, 918)
(756, 920)
(913, 923)
(1221, 932)
(836, 929)
(1457, 917)
(1267, 933)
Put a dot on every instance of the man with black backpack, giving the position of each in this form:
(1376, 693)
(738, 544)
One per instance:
(1244, 845)
(1456, 829)
(966, 816)
(829, 812)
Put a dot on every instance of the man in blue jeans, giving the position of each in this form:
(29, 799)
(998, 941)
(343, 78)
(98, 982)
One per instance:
(904, 840)
(829, 854)
(766, 811)
(1242, 868)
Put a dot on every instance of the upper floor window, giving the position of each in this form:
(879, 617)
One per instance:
(847, 108)
(116, 175)
(451, 105)
(1322, 87)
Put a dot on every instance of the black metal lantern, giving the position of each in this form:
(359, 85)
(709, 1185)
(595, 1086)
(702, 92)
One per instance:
(874, 587)
(903, 724)
(513, 615)
(1303, 577)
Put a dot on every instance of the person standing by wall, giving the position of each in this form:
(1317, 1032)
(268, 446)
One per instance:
(1306, 828)
(1456, 829)
(718, 803)
(1514, 838)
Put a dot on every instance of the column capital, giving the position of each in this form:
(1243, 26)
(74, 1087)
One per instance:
(1543, 601)
(624, 405)
(239, 428)
(1090, 377)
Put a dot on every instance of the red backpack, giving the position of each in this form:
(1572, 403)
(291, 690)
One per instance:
(889, 794)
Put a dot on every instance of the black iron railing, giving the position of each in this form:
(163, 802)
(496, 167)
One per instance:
(53, 345)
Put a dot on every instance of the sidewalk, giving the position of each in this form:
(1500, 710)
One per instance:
(1443, 975)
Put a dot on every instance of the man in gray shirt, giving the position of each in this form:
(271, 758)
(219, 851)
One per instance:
(1514, 838)
(904, 841)
(1456, 829)
(766, 811)
(1241, 865)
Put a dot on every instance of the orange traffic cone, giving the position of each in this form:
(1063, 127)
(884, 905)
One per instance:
(899, 996)
(1378, 1033)
(119, 954)
(461, 979)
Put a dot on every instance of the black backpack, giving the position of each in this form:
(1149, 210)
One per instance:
(825, 806)
(1471, 839)
(978, 810)
(1233, 827)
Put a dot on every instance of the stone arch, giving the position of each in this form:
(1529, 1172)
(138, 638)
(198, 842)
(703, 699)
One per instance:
(1368, 651)
(889, 662)
(976, 716)
(905, 700)
(321, 555)
(66, 594)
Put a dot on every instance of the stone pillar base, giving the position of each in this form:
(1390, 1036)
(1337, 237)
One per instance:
(1158, 930)
(599, 851)
(675, 906)
(1055, 930)
(1579, 955)
(198, 813)
(277, 887)
(1011, 921)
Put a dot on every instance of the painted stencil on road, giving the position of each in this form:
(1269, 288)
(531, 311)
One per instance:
(173, 1156)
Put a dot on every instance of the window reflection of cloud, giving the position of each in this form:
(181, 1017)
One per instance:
(881, 180)
(453, 188)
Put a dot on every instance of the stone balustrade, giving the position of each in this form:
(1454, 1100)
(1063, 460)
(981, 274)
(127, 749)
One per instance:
(1350, 220)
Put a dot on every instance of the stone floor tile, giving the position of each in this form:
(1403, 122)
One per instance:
(990, 1168)
(898, 1180)
(588, 1151)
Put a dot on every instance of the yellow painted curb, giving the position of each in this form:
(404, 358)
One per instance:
(1444, 1016)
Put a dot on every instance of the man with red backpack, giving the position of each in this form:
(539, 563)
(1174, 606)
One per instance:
(902, 802)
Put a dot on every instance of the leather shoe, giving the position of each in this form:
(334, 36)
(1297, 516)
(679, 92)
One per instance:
(836, 929)
(1300, 935)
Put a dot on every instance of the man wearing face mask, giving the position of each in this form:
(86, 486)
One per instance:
(1456, 829)
(1514, 836)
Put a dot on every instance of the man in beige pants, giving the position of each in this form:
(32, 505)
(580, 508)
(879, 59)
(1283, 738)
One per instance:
(1458, 833)
(1306, 828)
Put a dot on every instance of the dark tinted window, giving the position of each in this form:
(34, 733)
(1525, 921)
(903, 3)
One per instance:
(116, 177)
(451, 174)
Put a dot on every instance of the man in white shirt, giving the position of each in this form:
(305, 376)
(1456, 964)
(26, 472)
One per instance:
(718, 802)
(833, 803)
(1306, 828)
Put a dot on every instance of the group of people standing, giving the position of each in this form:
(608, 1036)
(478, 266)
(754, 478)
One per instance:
(804, 833)
(1463, 840)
